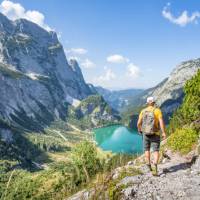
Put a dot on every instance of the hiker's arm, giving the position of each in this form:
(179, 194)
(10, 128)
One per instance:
(139, 125)
(162, 126)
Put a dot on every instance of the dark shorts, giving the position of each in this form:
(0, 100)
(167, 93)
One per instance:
(151, 141)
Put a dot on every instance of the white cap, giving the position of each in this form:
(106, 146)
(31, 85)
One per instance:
(150, 100)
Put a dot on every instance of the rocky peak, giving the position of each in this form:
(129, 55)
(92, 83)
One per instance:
(5, 24)
(35, 77)
(75, 67)
(169, 93)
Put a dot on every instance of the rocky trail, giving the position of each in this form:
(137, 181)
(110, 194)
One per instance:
(178, 178)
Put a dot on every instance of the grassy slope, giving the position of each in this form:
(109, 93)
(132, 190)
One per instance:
(48, 172)
(49, 150)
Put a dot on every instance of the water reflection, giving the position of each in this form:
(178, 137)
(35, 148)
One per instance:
(118, 139)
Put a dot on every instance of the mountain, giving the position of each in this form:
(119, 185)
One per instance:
(169, 93)
(37, 82)
(93, 112)
(118, 99)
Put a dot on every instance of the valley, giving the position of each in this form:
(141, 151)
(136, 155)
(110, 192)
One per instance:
(48, 116)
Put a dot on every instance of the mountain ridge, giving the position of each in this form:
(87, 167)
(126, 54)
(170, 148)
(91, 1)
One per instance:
(169, 92)
(38, 83)
(117, 99)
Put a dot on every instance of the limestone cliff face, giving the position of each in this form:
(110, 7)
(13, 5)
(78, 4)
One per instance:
(36, 80)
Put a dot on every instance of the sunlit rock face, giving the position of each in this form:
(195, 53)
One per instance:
(169, 93)
(36, 80)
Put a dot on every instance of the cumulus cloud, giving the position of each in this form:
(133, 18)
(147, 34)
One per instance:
(80, 51)
(88, 64)
(108, 76)
(117, 59)
(133, 71)
(16, 11)
(183, 19)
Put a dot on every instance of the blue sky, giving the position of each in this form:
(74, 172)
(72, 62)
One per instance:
(119, 43)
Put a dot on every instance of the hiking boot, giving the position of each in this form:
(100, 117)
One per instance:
(149, 167)
(155, 170)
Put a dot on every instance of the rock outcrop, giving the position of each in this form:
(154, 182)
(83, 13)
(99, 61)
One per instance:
(178, 178)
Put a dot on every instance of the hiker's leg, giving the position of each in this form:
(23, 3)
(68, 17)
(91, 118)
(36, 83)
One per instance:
(156, 157)
(146, 144)
(147, 156)
(156, 147)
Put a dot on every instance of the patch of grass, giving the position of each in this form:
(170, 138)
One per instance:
(105, 187)
(114, 190)
(183, 140)
(129, 172)
(47, 143)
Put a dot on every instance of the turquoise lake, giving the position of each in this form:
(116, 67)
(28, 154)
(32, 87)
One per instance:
(118, 139)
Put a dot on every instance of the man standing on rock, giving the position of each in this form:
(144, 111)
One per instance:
(149, 124)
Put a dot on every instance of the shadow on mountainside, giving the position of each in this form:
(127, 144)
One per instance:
(21, 151)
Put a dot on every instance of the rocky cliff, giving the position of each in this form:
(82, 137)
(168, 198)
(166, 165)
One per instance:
(37, 82)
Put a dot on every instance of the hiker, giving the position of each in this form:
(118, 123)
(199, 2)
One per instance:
(149, 124)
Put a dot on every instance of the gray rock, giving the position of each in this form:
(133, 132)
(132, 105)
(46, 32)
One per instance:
(130, 163)
(131, 180)
(165, 160)
(129, 192)
(37, 81)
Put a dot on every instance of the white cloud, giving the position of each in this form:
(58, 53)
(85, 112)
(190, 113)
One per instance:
(88, 64)
(133, 71)
(183, 19)
(16, 11)
(118, 59)
(79, 51)
(108, 76)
